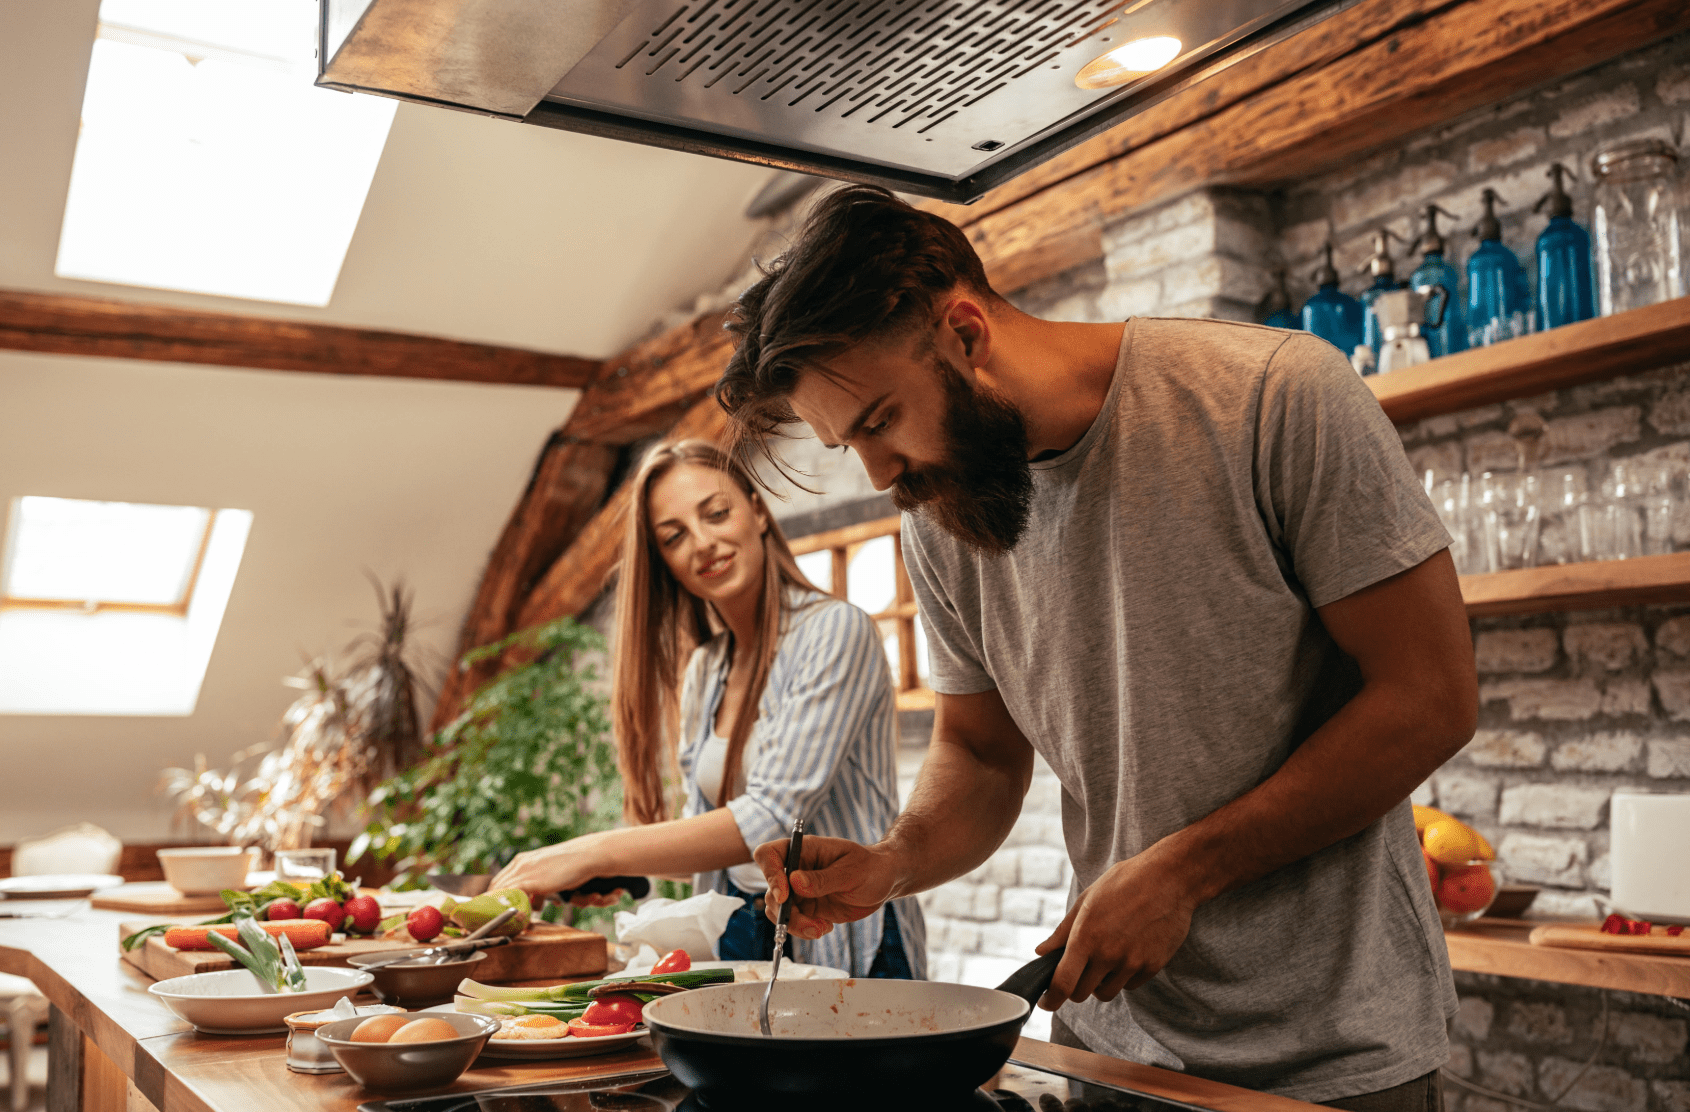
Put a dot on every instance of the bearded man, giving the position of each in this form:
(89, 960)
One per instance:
(1188, 564)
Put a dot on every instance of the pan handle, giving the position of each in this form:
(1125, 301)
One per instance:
(1031, 980)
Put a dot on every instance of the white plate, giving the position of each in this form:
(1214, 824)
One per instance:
(795, 970)
(225, 1003)
(56, 886)
(571, 1047)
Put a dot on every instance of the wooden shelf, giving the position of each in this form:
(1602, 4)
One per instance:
(1496, 947)
(1646, 579)
(1627, 343)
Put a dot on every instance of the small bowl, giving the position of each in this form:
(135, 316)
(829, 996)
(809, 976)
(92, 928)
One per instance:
(305, 1053)
(205, 870)
(389, 1068)
(226, 1003)
(417, 986)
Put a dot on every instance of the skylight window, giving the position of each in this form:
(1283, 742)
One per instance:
(112, 607)
(208, 162)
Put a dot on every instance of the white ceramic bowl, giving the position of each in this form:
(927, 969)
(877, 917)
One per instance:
(205, 870)
(229, 1003)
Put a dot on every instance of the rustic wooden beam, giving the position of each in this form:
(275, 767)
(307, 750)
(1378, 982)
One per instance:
(581, 572)
(643, 392)
(126, 330)
(563, 494)
(1457, 60)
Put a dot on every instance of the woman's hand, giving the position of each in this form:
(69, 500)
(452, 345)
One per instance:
(559, 868)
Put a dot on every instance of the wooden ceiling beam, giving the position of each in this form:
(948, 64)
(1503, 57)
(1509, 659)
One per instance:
(578, 576)
(106, 328)
(1455, 60)
(644, 391)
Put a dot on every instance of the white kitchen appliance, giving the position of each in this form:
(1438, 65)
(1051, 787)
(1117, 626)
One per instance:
(1650, 853)
(1402, 315)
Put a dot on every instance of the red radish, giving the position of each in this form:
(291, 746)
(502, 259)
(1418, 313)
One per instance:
(329, 911)
(425, 922)
(363, 914)
(282, 909)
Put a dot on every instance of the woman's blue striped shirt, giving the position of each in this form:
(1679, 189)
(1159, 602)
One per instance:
(825, 742)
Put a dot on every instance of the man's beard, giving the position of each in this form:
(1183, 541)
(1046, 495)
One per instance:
(983, 491)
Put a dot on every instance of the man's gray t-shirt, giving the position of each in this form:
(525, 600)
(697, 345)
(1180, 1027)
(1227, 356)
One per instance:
(1154, 636)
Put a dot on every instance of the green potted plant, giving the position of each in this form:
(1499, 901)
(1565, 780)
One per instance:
(529, 762)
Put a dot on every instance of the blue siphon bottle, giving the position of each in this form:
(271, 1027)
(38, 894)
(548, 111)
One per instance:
(1565, 292)
(1434, 270)
(1332, 314)
(1275, 307)
(1498, 305)
(1383, 269)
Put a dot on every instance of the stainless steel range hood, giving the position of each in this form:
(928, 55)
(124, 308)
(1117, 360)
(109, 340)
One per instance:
(943, 98)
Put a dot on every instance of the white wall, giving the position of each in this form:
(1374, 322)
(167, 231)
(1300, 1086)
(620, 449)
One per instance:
(409, 479)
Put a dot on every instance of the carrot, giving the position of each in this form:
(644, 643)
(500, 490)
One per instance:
(305, 934)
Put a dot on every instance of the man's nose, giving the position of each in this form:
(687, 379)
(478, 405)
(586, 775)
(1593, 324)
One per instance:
(883, 467)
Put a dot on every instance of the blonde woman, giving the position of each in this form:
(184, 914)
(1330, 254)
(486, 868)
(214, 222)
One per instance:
(773, 700)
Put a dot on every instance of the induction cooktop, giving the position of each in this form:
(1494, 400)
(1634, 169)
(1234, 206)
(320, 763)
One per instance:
(1016, 1088)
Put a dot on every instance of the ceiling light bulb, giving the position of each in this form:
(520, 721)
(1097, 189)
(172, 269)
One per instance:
(1128, 62)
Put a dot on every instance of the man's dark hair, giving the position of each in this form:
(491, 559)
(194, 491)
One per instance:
(865, 264)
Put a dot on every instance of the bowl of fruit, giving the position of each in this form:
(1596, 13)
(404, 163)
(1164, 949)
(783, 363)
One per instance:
(1459, 865)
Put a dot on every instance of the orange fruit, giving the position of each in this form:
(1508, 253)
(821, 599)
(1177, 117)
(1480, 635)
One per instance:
(1452, 842)
(1431, 871)
(379, 1028)
(424, 1030)
(1426, 816)
(1467, 888)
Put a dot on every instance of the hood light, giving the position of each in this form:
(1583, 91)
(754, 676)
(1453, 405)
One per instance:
(1128, 62)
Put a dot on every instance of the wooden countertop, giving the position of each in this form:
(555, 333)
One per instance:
(146, 1052)
(1500, 946)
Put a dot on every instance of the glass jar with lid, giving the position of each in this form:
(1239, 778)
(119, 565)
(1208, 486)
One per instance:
(1638, 225)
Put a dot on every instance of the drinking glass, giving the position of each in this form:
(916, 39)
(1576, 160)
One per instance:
(304, 867)
(1564, 495)
(1658, 495)
(1512, 522)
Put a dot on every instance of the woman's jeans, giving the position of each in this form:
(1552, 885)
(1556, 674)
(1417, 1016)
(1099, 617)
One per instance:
(751, 937)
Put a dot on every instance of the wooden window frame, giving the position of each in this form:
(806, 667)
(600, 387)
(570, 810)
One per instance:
(912, 693)
(177, 609)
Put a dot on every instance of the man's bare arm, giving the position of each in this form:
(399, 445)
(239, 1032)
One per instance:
(1417, 708)
(970, 790)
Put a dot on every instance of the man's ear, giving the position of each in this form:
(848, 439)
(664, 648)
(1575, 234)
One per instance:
(968, 330)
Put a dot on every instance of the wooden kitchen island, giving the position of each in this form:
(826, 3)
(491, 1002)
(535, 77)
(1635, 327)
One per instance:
(114, 1048)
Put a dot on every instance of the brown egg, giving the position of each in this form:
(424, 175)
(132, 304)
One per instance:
(379, 1028)
(424, 1030)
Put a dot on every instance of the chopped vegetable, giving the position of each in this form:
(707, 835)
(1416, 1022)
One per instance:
(1675, 930)
(582, 1029)
(1614, 924)
(541, 1007)
(307, 934)
(675, 961)
(291, 971)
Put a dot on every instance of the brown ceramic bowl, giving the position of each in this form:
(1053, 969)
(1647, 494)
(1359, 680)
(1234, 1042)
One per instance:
(417, 986)
(406, 1067)
(1512, 900)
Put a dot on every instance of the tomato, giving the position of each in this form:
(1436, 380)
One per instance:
(582, 1029)
(675, 961)
(614, 1009)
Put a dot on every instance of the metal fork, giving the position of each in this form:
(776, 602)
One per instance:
(793, 849)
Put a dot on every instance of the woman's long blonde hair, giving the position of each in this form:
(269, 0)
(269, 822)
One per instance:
(659, 623)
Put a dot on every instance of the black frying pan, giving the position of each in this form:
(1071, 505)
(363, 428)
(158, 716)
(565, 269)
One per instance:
(925, 1040)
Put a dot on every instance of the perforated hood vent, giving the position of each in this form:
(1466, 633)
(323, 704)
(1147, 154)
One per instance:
(941, 97)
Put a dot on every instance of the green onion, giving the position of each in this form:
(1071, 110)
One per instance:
(579, 992)
(495, 1008)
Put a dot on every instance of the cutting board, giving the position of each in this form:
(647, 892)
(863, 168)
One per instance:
(155, 898)
(545, 950)
(1589, 936)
